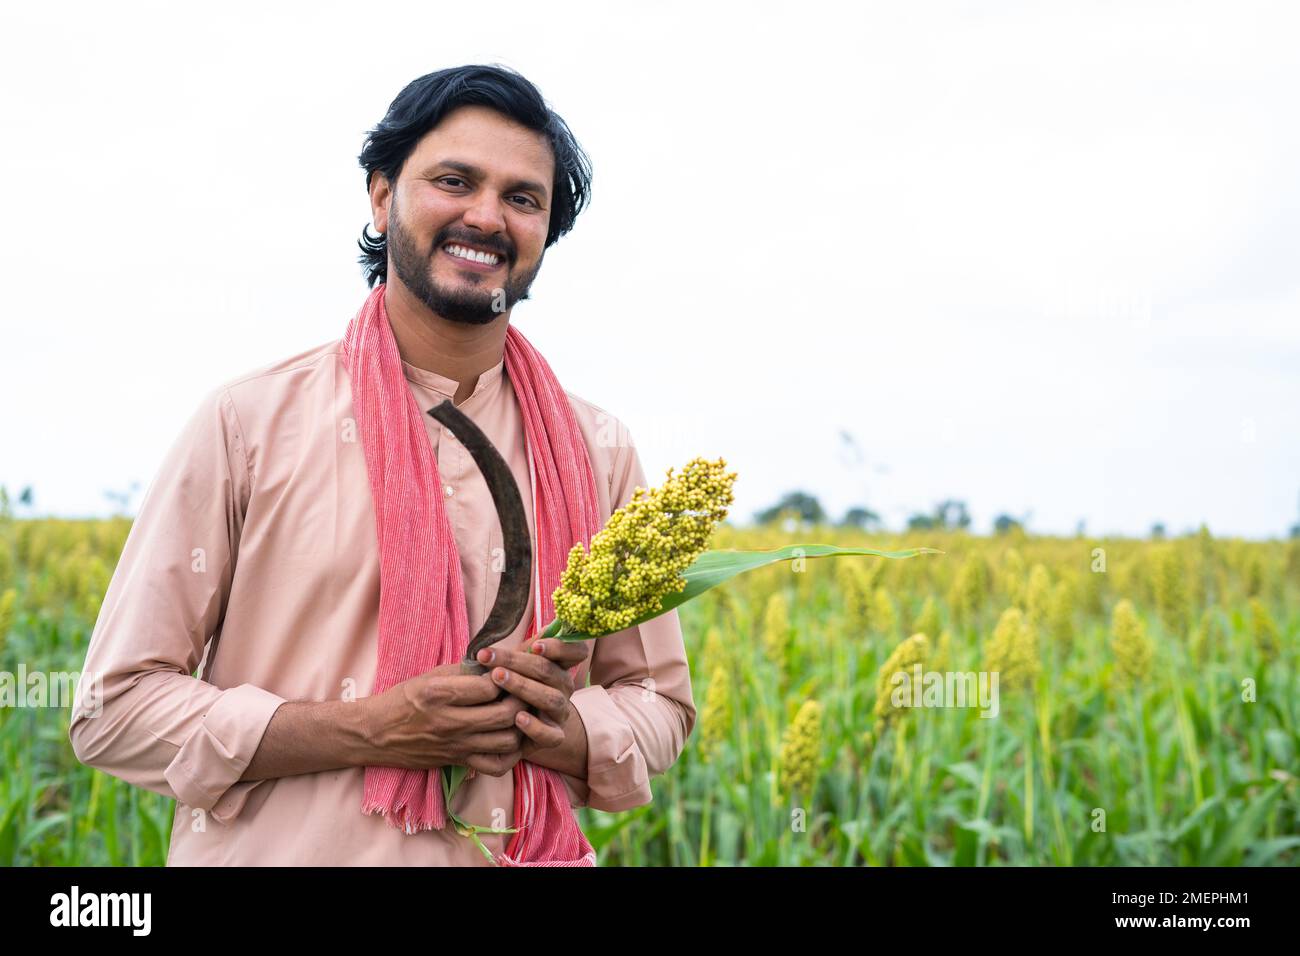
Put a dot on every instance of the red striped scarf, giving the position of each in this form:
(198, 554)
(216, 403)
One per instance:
(422, 612)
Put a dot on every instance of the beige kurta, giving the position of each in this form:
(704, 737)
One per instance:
(253, 561)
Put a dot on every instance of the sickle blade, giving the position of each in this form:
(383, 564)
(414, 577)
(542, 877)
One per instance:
(512, 595)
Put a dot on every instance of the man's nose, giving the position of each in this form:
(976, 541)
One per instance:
(485, 213)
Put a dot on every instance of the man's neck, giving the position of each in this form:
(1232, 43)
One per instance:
(452, 349)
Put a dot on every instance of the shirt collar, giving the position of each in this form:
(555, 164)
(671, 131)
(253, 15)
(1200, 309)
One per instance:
(447, 386)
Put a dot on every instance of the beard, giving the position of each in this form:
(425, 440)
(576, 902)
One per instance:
(463, 302)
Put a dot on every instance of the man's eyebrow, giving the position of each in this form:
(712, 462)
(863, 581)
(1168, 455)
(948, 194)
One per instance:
(473, 172)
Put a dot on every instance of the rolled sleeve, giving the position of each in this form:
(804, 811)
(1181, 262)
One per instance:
(152, 723)
(617, 776)
(222, 746)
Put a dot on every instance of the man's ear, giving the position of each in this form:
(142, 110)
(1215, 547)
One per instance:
(380, 197)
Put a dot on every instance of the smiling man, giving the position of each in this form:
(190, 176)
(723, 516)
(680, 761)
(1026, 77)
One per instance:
(458, 248)
(280, 646)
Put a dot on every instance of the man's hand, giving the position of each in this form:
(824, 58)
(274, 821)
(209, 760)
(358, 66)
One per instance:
(538, 674)
(444, 717)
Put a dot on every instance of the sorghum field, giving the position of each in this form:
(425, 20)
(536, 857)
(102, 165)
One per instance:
(1147, 712)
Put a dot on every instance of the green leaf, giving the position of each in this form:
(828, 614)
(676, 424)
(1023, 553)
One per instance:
(33, 833)
(1249, 821)
(1195, 818)
(967, 771)
(1262, 854)
(600, 835)
(453, 776)
(149, 838)
(716, 567)
(9, 831)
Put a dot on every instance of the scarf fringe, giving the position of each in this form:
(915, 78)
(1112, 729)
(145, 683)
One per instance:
(402, 818)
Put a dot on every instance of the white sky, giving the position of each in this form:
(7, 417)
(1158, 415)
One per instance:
(1037, 257)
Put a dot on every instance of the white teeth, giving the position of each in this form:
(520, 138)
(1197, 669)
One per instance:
(461, 252)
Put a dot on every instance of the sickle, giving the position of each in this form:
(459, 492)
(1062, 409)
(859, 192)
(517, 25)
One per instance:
(512, 595)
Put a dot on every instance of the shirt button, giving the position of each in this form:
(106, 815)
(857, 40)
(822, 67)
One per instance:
(449, 435)
(448, 490)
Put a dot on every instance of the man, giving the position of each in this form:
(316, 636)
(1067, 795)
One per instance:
(329, 694)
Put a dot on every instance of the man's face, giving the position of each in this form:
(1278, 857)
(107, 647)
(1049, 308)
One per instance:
(477, 182)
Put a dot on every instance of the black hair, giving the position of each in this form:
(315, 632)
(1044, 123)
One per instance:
(423, 104)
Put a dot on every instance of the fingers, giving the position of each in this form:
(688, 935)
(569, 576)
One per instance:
(550, 666)
(552, 700)
(540, 730)
(521, 662)
(460, 690)
(499, 715)
(564, 653)
(497, 742)
(496, 765)
(446, 670)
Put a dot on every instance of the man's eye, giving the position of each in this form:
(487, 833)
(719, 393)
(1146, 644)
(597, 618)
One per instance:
(456, 179)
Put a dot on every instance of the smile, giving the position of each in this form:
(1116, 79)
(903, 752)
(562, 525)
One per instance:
(475, 259)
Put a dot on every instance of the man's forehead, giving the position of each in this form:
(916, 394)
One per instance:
(487, 140)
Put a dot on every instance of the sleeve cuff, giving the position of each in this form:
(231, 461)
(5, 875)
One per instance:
(617, 777)
(211, 761)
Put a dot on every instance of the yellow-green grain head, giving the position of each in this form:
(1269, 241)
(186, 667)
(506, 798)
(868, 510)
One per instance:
(8, 569)
(1264, 630)
(714, 652)
(914, 650)
(777, 632)
(1253, 578)
(1132, 647)
(1011, 576)
(1037, 596)
(853, 584)
(717, 716)
(1060, 613)
(927, 620)
(8, 610)
(970, 588)
(884, 617)
(943, 652)
(801, 744)
(1012, 651)
(1292, 562)
(1170, 573)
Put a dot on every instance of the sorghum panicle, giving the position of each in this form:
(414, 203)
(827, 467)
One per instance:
(640, 554)
(776, 629)
(715, 718)
(914, 650)
(801, 750)
(927, 621)
(1012, 651)
(1133, 648)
